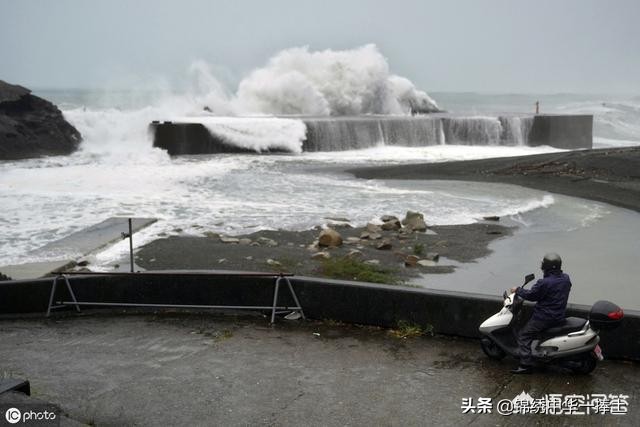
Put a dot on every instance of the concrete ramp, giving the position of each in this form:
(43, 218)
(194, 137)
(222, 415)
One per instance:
(69, 249)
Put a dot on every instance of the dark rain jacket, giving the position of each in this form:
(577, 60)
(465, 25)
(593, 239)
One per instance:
(551, 293)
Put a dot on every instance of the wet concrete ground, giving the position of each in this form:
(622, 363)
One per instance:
(195, 369)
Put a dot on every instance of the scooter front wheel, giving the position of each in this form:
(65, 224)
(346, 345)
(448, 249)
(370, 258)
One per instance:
(491, 349)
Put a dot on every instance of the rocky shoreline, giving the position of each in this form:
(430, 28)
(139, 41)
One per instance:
(31, 126)
(388, 251)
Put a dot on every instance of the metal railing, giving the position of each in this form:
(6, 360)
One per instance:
(274, 307)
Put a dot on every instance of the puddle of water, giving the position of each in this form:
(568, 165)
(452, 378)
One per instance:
(599, 245)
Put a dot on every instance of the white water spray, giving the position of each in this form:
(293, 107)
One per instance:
(329, 82)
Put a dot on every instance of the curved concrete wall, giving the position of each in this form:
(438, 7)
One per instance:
(452, 313)
(189, 138)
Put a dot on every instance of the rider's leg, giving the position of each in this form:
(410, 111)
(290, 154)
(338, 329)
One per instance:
(526, 336)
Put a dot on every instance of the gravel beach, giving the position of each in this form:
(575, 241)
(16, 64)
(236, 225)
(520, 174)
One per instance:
(605, 175)
(293, 251)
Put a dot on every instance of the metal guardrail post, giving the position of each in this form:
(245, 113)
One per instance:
(275, 299)
(54, 285)
(130, 237)
(276, 289)
(295, 297)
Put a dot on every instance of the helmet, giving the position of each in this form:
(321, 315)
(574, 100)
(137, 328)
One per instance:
(551, 261)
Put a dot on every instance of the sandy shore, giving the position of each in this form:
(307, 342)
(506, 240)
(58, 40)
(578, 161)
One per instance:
(605, 175)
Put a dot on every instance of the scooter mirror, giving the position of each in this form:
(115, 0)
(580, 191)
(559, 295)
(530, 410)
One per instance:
(528, 278)
(504, 295)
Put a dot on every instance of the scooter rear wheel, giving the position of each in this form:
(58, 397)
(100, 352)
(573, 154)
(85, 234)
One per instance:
(491, 349)
(585, 365)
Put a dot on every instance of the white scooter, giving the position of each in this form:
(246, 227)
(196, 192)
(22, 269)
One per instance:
(572, 344)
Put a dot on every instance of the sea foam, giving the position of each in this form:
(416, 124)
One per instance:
(329, 82)
(256, 133)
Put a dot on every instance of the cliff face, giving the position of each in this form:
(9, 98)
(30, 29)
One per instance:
(31, 126)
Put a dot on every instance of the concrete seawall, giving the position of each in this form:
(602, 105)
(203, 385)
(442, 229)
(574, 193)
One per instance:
(562, 131)
(452, 313)
(347, 133)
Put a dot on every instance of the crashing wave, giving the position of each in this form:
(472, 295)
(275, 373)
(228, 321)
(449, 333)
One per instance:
(299, 81)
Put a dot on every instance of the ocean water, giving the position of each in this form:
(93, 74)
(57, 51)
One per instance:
(117, 172)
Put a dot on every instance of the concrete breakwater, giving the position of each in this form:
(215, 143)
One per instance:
(350, 133)
(452, 313)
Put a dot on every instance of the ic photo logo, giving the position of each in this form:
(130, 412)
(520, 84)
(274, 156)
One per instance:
(33, 415)
(13, 415)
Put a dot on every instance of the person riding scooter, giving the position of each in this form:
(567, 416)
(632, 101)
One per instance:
(551, 294)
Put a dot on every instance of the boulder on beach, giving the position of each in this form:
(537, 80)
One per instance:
(329, 237)
(373, 228)
(385, 245)
(31, 126)
(392, 224)
(414, 221)
(411, 261)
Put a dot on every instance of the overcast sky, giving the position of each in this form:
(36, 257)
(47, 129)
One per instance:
(503, 46)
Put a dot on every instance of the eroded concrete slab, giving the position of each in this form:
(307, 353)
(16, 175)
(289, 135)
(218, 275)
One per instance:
(34, 270)
(193, 369)
(68, 249)
(95, 237)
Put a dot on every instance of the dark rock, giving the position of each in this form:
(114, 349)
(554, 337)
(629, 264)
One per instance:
(432, 256)
(385, 245)
(411, 261)
(491, 218)
(391, 225)
(31, 126)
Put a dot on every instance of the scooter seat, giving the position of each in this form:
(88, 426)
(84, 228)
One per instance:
(570, 324)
